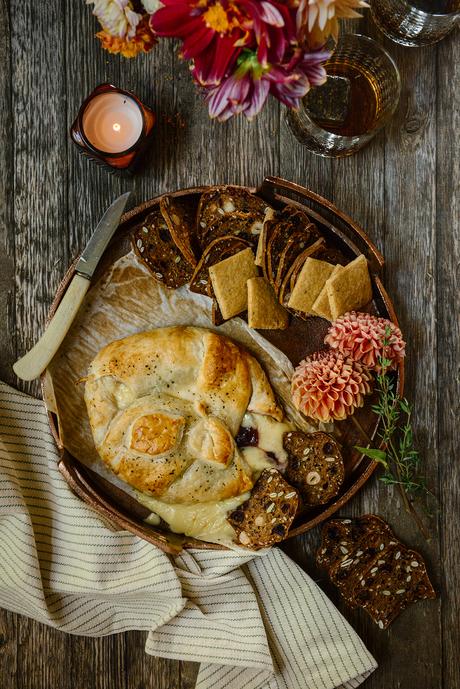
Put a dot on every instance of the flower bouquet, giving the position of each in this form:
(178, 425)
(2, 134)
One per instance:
(240, 51)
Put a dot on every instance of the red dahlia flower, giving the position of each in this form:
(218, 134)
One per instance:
(214, 32)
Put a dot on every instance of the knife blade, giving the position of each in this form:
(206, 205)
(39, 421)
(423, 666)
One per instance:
(32, 364)
(100, 238)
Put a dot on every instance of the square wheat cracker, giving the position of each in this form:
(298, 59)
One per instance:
(309, 284)
(350, 288)
(264, 310)
(229, 279)
(321, 306)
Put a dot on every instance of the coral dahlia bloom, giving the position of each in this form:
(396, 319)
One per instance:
(362, 337)
(329, 387)
(214, 32)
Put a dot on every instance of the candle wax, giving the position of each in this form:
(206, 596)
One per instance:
(112, 122)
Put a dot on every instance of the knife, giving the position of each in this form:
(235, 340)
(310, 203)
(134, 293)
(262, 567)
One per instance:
(32, 364)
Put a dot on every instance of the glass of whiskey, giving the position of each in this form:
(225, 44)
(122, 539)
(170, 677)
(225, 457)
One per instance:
(416, 23)
(359, 97)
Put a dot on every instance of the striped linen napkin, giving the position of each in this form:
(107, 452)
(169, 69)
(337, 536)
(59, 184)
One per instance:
(252, 622)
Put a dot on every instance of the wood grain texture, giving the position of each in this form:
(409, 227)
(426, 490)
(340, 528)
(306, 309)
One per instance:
(7, 235)
(448, 354)
(403, 189)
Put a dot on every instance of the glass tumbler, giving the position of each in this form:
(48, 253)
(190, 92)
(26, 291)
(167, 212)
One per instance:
(359, 97)
(416, 22)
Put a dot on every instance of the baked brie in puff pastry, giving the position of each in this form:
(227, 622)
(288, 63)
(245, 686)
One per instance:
(166, 406)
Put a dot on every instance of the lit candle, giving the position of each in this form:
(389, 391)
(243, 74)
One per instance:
(112, 122)
(113, 127)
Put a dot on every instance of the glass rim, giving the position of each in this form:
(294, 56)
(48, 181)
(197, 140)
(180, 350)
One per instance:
(454, 13)
(368, 39)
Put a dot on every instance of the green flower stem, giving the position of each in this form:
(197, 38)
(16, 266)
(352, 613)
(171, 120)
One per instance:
(397, 454)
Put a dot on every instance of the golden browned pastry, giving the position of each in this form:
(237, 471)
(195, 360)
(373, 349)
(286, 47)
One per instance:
(165, 407)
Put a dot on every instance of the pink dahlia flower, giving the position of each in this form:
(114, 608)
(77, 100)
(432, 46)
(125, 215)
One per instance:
(329, 387)
(247, 89)
(367, 339)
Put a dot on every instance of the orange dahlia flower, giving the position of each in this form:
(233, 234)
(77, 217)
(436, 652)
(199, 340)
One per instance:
(142, 41)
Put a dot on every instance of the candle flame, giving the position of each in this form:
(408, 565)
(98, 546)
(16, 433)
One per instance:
(116, 127)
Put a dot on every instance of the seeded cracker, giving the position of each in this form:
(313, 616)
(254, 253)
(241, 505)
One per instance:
(347, 533)
(360, 554)
(371, 568)
(229, 279)
(315, 465)
(321, 306)
(391, 583)
(218, 250)
(297, 242)
(266, 517)
(350, 288)
(230, 211)
(259, 260)
(152, 242)
(180, 216)
(289, 223)
(309, 284)
(264, 310)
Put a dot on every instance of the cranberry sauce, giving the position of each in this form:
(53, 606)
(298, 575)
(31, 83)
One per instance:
(247, 437)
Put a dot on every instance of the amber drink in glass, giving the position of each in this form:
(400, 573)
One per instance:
(416, 22)
(359, 97)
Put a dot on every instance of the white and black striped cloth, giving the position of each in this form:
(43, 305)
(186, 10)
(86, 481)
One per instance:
(251, 623)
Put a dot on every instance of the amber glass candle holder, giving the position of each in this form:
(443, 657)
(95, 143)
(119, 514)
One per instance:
(113, 127)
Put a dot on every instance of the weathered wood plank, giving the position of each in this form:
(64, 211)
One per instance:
(97, 663)
(39, 179)
(91, 188)
(408, 237)
(41, 656)
(448, 335)
(8, 621)
(51, 199)
(39, 137)
(7, 235)
(379, 188)
(143, 670)
(8, 649)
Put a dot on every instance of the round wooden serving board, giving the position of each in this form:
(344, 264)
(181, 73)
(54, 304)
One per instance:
(302, 338)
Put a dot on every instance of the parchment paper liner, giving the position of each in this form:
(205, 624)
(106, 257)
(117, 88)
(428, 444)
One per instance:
(124, 301)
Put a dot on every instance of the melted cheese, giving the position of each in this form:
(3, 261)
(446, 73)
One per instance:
(257, 459)
(270, 434)
(205, 521)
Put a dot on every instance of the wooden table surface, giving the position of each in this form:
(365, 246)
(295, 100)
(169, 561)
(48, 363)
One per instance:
(403, 189)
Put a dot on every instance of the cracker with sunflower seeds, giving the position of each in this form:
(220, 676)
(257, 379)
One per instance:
(266, 517)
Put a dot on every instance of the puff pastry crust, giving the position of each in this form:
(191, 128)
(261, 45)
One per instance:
(165, 406)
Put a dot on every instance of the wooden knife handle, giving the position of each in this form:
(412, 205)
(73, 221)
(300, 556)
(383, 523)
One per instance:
(34, 362)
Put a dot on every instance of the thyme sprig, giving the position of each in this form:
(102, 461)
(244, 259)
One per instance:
(401, 462)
